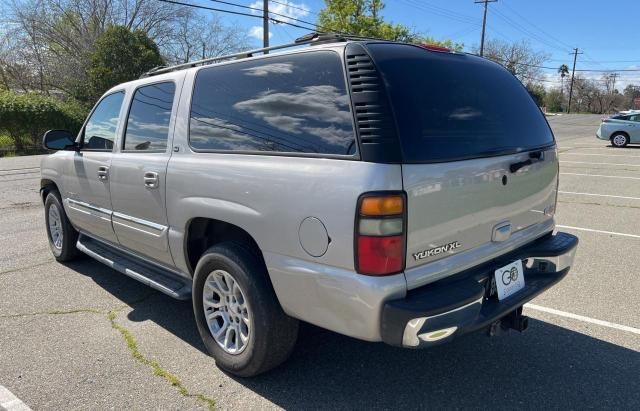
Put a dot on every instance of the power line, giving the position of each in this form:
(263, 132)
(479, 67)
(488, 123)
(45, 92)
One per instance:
(553, 38)
(261, 10)
(443, 12)
(579, 70)
(238, 13)
(290, 5)
(197, 6)
(528, 32)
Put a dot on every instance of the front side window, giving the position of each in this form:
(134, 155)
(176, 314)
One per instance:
(634, 118)
(295, 103)
(149, 117)
(100, 131)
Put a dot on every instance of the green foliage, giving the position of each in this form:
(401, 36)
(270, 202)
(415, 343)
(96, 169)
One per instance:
(25, 117)
(119, 55)
(538, 93)
(362, 17)
(450, 44)
(563, 70)
(5, 141)
(553, 101)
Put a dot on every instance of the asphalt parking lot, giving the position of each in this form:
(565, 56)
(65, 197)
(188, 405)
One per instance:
(81, 336)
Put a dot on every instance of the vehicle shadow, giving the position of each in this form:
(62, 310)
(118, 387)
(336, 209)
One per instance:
(549, 366)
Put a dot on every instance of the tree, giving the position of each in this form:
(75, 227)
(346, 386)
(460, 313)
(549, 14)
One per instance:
(563, 70)
(363, 18)
(45, 45)
(518, 57)
(630, 92)
(200, 37)
(537, 92)
(553, 100)
(120, 55)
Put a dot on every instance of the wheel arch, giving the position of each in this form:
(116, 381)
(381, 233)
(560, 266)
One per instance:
(46, 186)
(201, 233)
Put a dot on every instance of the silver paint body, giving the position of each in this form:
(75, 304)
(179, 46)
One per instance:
(269, 196)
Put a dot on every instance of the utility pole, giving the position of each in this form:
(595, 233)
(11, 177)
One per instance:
(204, 51)
(484, 22)
(613, 85)
(573, 73)
(265, 24)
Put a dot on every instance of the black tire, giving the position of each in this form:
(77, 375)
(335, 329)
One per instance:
(616, 140)
(66, 249)
(273, 334)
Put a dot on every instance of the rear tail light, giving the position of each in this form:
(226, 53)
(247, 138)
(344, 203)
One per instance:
(380, 233)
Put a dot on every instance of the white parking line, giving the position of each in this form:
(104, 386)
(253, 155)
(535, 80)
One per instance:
(584, 319)
(598, 195)
(594, 147)
(591, 230)
(599, 164)
(10, 402)
(562, 154)
(599, 175)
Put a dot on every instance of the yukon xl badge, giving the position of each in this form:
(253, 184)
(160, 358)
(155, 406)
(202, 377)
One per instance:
(437, 250)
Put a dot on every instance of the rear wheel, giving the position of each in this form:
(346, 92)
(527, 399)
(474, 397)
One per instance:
(619, 140)
(62, 236)
(237, 313)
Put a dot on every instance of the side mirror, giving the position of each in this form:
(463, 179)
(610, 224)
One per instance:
(59, 140)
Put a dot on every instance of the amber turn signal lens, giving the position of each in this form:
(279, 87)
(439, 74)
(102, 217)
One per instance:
(376, 206)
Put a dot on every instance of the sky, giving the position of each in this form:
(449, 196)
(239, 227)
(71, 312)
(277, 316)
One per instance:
(608, 33)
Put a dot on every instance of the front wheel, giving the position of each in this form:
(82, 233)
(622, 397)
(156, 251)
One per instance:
(62, 236)
(619, 140)
(237, 313)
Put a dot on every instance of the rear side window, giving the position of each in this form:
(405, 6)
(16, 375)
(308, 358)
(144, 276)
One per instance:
(149, 117)
(453, 107)
(295, 103)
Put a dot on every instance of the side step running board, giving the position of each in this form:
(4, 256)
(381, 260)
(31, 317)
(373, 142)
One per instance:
(150, 274)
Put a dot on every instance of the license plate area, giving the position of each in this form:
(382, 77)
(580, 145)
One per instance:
(508, 279)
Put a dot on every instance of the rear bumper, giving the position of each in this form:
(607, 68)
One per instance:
(463, 303)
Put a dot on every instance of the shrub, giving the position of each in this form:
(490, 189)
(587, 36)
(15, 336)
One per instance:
(5, 141)
(25, 117)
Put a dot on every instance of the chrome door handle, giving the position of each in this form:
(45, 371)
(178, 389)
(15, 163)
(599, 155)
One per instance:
(103, 172)
(151, 179)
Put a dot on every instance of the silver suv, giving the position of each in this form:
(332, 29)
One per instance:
(385, 191)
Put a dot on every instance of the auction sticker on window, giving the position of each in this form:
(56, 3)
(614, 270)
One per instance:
(509, 279)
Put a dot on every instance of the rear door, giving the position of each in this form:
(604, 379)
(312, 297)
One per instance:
(479, 161)
(138, 172)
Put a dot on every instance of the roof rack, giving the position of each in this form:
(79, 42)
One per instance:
(311, 38)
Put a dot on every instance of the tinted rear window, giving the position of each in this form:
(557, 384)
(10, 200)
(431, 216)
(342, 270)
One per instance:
(295, 103)
(452, 107)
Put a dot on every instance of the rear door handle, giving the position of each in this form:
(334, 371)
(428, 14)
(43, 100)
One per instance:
(151, 179)
(103, 172)
(533, 157)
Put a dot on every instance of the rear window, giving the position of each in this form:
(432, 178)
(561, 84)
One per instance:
(295, 103)
(453, 107)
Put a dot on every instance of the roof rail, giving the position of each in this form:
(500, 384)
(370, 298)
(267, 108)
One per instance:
(311, 38)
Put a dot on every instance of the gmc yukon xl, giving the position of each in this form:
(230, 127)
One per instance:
(386, 191)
